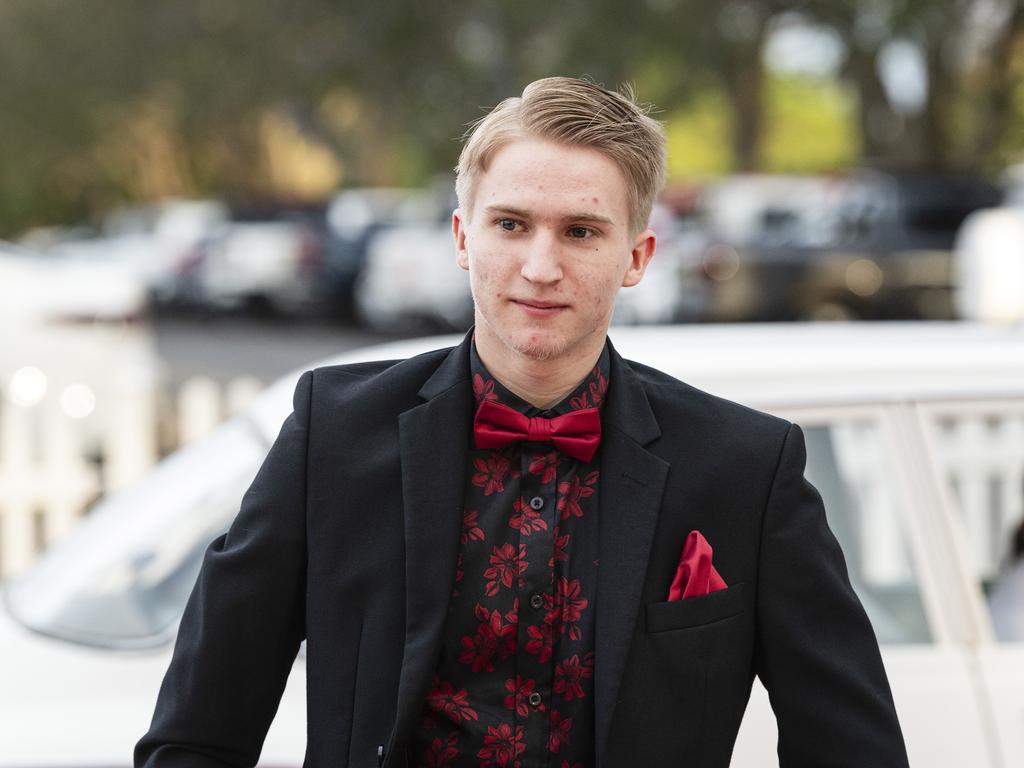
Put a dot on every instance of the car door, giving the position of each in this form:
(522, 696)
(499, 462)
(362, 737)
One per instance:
(975, 451)
(86, 634)
(859, 460)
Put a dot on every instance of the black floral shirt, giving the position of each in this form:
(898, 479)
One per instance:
(514, 684)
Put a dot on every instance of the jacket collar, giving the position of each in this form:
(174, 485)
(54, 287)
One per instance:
(452, 372)
(627, 409)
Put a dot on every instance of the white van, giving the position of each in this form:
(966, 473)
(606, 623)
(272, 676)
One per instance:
(915, 438)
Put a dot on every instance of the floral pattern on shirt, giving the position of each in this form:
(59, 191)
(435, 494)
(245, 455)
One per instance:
(513, 687)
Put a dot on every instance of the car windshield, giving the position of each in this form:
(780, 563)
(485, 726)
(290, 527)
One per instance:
(122, 578)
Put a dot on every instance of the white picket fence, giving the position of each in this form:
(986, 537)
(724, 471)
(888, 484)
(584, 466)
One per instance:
(983, 460)
(97, 420)
(52, 470)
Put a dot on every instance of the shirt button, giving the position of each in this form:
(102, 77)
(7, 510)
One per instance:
(536, 502)
(536, 601)
(534, 699)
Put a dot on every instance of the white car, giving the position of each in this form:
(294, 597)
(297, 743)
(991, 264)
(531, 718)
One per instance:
(156, 245)
(410, 277)
(271, 263)
(45, 288)
(915, 437)
(987, 265)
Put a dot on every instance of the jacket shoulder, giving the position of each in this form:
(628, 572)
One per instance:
(676, 402)
(376, 381)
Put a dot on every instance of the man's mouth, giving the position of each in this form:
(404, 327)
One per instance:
(540, 308)
(539, 304)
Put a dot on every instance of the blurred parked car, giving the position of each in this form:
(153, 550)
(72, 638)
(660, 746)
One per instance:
(989, 257)
(51, 287)
(988, 263)
(265, 258)
(671, 290)
(868, 246)
(354, 217)
(411, 278)
(153, 244)
(913, 435)
(166, 239)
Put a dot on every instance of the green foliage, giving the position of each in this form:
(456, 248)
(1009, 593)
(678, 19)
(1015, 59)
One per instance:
(698, 140)
(112, 101)
(809, 128)
(809, 125)
(1011, 148)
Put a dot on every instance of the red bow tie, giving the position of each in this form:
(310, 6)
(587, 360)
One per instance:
(577, 433)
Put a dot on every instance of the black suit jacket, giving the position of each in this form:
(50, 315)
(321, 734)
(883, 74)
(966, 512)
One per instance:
(349, 534)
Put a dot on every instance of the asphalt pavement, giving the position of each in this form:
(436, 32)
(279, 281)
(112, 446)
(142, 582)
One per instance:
(224, 348)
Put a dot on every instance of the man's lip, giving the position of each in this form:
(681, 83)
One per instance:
(540, 304)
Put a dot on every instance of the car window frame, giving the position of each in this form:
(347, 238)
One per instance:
(925, 533)
(926, 414)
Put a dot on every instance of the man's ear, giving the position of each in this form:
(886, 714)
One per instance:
(641, 255)
(459, 233)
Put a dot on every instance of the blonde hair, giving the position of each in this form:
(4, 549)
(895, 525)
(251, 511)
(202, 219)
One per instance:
(575, 112)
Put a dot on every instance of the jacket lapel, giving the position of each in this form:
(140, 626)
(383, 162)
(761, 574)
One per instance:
(433, 441)
(632, 483)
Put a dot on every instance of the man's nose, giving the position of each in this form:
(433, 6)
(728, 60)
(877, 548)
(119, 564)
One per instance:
(542, 262)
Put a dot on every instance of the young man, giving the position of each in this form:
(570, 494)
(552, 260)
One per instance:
(525, 550)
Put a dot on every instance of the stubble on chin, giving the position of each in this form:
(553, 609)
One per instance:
(536, 346)
(536, 350)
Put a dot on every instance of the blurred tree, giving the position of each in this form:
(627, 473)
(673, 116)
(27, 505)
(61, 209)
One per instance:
(688, 49)
(694, 132)
(964, 50)
(125, 100)
(809, 125)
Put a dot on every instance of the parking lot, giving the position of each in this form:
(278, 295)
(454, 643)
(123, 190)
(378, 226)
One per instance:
(224, 348)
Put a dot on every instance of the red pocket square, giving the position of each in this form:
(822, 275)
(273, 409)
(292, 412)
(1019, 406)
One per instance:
(695, 574)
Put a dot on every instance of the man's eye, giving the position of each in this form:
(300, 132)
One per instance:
(579, 232)
(509, 225)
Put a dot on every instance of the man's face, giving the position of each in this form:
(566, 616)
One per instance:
(547, 245)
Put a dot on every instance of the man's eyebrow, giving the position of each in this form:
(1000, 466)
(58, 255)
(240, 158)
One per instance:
(580, 216)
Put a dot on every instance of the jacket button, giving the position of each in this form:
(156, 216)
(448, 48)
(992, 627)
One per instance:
(534, 699)
(536, 601)
(536, 502)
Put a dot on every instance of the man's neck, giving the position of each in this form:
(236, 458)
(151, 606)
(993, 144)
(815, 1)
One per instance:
(541, 383)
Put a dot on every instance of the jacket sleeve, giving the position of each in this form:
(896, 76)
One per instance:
(816, 652)
(243, 622)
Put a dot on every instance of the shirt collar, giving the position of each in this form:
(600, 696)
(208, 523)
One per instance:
(589, 393)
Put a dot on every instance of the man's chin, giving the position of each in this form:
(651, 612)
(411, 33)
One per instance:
(538, 347)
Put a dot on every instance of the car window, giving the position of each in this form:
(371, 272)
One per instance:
(850, 464)
(122, 577)
(979, 450)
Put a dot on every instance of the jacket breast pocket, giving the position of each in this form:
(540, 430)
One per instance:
(694, 611)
